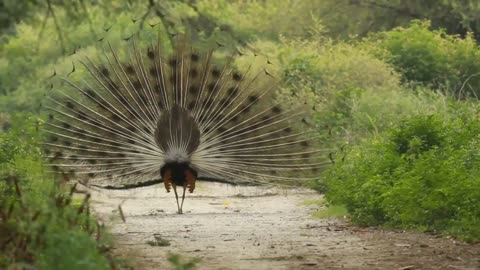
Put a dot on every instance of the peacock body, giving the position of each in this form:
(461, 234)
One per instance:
(148, 115)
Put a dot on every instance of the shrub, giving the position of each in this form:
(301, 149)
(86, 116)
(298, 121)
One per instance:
(355, 95)
(417, 135)
(422, 174)
(41, 226)
(341, 81)
(262, 18)
(431, 57)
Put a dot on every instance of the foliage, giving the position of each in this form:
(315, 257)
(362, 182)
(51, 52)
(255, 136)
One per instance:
(29, 59)
(423, 174)
(20, 139)
(431, 57)
(340, 19)
(263, 18)
(327, 66)
(354, 94)
(12, 12)
(332, 211)
(180, 263)
(36, 12)
(313, 202)
(335, 79)
(42, 48)
(41, 226)
(344, 18)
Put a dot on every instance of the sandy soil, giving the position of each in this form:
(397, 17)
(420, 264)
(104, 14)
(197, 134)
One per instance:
(254, 228)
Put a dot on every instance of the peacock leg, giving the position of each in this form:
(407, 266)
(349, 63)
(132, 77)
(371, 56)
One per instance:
(183, 196)
(176, 197)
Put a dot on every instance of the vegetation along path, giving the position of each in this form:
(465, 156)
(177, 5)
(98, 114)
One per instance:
(253, 228)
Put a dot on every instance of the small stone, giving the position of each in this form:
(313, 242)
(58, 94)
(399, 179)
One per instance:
(403, 245)
(407, 267)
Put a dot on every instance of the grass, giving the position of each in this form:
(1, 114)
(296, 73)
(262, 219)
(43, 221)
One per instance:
(180, 263)
(333, 211)
(43, 224)
(422, 174)
(313, 202)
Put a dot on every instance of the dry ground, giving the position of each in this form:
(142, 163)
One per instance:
(254, 228)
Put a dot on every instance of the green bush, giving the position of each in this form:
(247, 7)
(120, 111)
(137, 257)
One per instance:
(417, 135)
(263, 18)
(355, 95)
(341, 81)
(29, 58)
(431, 57)
(42, 225)
(28, 61)
(423, 174)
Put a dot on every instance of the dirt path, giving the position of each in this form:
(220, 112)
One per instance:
(252, 228)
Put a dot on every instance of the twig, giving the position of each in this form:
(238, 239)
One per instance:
(57, 26)
(44, 23)
(120, 211)
(84, 7)
(18, 191)
(465, 83)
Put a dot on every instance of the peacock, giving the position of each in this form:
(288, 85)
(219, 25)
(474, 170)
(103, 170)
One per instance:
(177, 114)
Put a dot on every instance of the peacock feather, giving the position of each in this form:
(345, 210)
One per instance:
(149, 114)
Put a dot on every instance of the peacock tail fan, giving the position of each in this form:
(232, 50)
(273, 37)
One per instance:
(175, 114)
